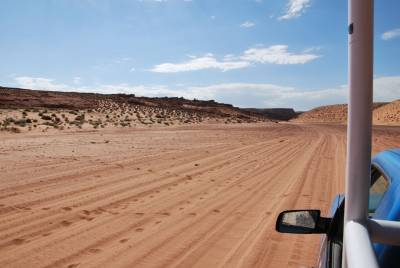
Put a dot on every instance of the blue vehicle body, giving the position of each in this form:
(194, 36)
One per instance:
(336, 204)
(384, 204)
(388, 164)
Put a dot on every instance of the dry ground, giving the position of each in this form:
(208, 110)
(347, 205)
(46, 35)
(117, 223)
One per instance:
(196, 196)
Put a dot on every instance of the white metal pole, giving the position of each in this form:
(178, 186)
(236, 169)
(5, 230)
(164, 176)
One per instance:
(360, 109)
(360, 64)
(360, 253)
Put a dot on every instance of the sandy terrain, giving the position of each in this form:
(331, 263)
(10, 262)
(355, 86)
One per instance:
(194, 196)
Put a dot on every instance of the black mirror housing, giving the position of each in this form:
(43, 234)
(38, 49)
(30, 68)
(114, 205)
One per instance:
(302, 222)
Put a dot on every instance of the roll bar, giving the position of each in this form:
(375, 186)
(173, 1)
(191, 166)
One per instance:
(358, 229)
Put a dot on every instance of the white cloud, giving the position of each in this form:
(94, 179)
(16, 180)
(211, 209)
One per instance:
(391, 34)
(386, 88)
(208, 61)
(277, 54)
(40, 83)
(312, 49)
(247, 24)
(294, 9)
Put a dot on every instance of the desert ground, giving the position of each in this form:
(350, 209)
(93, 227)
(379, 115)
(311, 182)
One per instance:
(180, 196)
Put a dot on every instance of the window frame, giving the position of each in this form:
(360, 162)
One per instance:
(376, 168)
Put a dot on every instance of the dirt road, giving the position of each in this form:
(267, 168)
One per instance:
(190, 197)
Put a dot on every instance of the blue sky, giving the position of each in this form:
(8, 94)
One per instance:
(251, 53)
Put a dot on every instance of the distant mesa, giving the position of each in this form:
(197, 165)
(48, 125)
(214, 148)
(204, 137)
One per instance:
(383, 114)
(25, 109)
(33, 110)
(280, 114)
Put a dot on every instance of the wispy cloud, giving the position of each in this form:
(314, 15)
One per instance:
(277, 54)
(391, 34)
(247, 24)
(40, 83)
(386, 88)
(208, 61)
(294, 9)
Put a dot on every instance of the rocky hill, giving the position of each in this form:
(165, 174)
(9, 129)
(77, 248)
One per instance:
(24, 109)
(284, 114)
(383, 113)
(326, 114)
(388, 113)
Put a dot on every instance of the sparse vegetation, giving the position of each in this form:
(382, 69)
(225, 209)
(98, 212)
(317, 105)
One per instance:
(109, 113)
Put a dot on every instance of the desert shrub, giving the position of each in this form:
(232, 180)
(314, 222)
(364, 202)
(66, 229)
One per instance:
(95, 123)
(8, 121)
(21, 122)
(76, 123)
(11, 129)
(46, 117)
(51, 124)
(15, 130)
(80, 117)
(24, 114)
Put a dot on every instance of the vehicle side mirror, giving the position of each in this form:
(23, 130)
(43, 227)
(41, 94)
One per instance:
(302, 222)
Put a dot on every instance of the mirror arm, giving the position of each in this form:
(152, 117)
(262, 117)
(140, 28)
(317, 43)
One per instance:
(323, 225)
